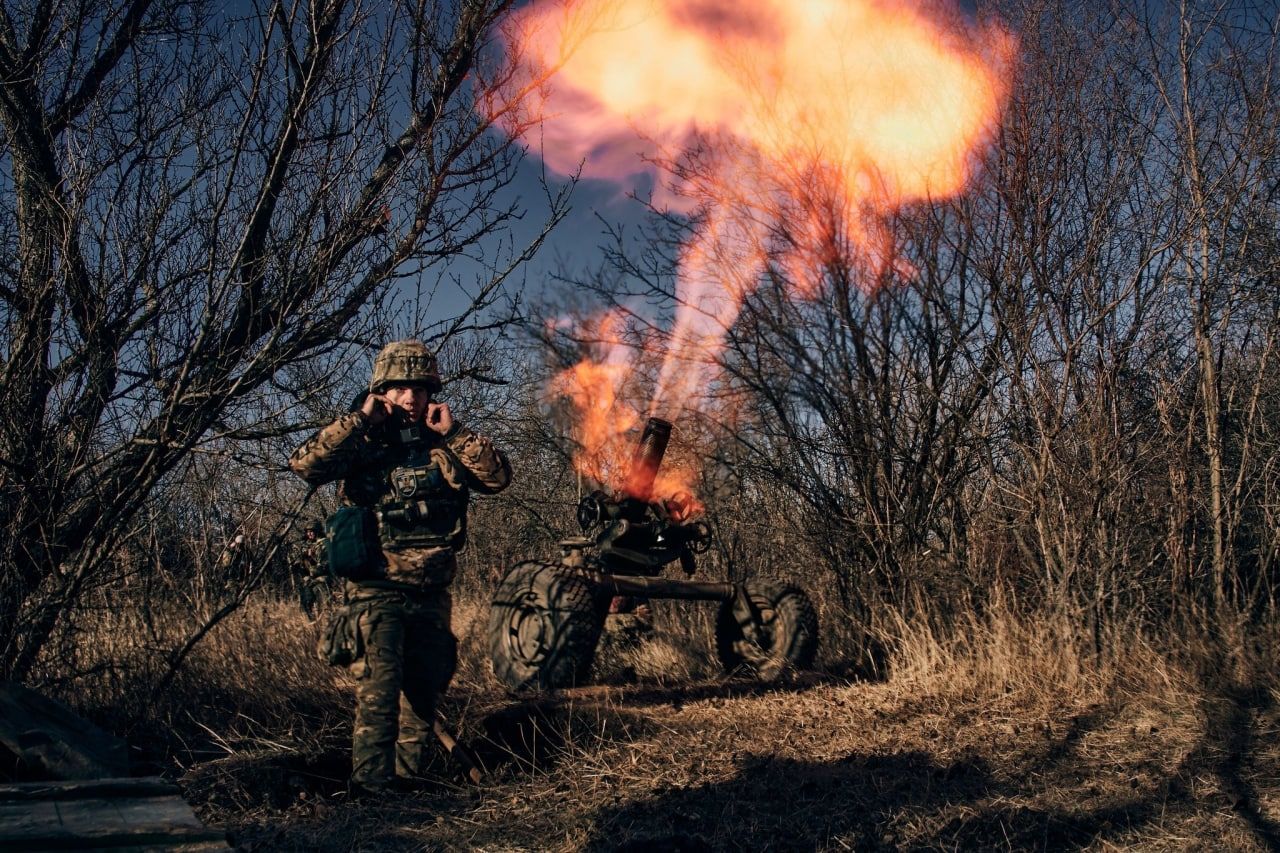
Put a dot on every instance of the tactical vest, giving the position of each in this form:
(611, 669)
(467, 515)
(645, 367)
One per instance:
(421, 509)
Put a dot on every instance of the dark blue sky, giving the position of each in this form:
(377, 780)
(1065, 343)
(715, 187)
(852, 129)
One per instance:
(573, 246)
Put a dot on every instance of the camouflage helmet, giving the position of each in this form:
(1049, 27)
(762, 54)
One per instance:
(405, 363)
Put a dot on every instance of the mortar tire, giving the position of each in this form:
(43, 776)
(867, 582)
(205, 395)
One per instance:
(543, 627)
(786, 627)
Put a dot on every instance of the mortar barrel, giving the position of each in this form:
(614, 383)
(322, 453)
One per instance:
(648, 458)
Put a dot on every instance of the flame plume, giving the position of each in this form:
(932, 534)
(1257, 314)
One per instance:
(786, 128)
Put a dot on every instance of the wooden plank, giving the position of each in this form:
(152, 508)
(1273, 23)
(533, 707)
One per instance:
(85, 816)
(146, 836)
(214, 846)
(71, 824)
(46, 736)
(169, 847)
(75, 817)
(141, 786)
(22, 818)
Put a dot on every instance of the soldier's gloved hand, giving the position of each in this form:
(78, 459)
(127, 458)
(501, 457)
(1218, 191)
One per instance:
(439, 418)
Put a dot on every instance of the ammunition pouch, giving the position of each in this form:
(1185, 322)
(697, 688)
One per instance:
(429, 513)
(340, 643)
(353, 548)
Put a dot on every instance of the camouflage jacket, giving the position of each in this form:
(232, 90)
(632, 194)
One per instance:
(307, 557)
(364, 456)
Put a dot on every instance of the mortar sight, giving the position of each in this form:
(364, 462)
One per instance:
(648, 458)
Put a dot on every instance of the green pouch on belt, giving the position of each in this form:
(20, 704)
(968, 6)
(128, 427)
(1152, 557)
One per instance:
(340, 642)
(353, 549)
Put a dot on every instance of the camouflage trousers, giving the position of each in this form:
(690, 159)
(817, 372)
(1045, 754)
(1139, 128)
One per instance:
(409, 656)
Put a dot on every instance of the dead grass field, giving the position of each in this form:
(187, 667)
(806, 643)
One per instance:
(1005, 740)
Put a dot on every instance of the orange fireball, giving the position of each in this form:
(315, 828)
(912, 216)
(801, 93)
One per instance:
(813, 121)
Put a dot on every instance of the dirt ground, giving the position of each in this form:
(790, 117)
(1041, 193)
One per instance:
(815, 764)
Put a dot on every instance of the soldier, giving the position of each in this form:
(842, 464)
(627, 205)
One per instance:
(231, 562)
(307, 558)
(308, 553)
(231, 552)
(402, 454)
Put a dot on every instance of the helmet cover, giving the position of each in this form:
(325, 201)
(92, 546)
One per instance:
(405, 363)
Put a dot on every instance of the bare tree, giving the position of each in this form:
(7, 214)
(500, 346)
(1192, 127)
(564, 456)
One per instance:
(1213, 68)
(197, 206)
(1070, 398)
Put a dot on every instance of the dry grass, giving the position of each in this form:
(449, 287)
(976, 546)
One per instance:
(1012, 733)
(252, 687)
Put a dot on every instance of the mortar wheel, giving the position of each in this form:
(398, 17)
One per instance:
(767, 631)
(543, 627)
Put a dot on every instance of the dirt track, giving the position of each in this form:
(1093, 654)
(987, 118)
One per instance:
(814, 765)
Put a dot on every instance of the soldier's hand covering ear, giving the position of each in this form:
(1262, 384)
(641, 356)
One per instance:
(376, 408)
(439, 418)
